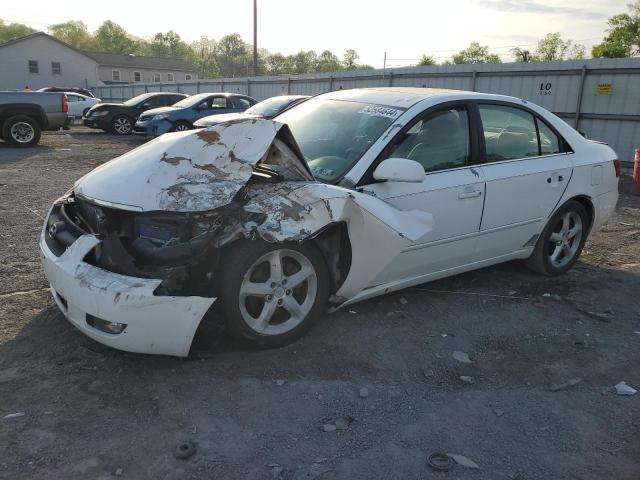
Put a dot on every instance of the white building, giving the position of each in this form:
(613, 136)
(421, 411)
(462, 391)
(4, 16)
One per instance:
(40, 60)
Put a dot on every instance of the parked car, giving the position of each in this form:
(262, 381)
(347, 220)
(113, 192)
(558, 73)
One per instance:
(268, 108)
(82, 91)
(24, 115)
(119, 118)
(350, 195)
(181, 115)
(79, 105)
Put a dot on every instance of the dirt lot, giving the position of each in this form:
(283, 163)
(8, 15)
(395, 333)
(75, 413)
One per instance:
(92, 413)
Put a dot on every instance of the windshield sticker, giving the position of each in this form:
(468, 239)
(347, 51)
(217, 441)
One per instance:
(323, 172)
(379, 111)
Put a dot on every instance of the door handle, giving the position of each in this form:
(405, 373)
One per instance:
(473, 194)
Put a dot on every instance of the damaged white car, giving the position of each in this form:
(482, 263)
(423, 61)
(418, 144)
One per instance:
(349, 195)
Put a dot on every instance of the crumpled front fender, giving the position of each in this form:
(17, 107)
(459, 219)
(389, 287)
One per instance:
(378, 232)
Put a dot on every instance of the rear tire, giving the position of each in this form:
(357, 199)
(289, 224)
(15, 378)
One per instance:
(562, 240)
(271, 294)
(21, 131)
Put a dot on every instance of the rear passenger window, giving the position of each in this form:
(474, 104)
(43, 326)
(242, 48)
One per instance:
(549, 141)
(509, 133)
(239, 102)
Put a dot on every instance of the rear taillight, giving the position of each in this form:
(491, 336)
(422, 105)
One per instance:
(616, 167)
(65, 104)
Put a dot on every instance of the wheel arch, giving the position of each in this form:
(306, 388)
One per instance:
(335, 245)
(586, 202)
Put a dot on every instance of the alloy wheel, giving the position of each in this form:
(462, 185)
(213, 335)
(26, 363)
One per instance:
(122, 125)
(565, 238)
(278, 292)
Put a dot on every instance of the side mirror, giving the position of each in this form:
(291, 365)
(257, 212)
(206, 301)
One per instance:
(146, 105)
(399, 170)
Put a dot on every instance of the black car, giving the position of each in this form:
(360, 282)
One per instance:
(119, 118)
(82, 91)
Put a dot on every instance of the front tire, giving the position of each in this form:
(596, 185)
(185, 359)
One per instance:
(271, 294)
(122, 125)
(21, 131)
(561, 241)
(181, 126)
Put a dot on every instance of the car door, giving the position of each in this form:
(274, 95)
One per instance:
(452, 191)
(527, 167)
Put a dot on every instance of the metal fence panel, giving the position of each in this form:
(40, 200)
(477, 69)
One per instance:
(600, 96)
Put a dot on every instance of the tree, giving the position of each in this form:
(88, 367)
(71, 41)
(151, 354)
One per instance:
(112, 38)
(426, 60)
(233, 56)
(475, 53)
(623, 37)
(75, 33)
(553, 47)
(350, 57)
(277, 64)
(328, 62)
(13, 30)
(168, 45)
(522, 55)
(203, 55)
(304, 62)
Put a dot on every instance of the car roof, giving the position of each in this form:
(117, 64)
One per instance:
(401, 97)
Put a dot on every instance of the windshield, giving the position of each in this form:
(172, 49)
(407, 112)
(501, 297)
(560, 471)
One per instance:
(334, 134)
(138, 99)
(270, 107)
(192, 101)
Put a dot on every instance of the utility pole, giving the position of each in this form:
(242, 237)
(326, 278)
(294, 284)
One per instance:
(255, 37)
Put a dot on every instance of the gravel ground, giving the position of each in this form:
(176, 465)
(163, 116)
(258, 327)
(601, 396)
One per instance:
(90, 412)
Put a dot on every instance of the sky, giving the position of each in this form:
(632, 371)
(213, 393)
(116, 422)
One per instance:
(404, 29)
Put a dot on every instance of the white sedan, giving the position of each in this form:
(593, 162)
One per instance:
(79, 104)
(352, 194)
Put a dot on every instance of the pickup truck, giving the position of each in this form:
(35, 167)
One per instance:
(24, 115)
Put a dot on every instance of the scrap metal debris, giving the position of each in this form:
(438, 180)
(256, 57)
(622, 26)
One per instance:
(623, 389)
(461, 357)
(14, 415)
(464, 461)
(561, 386)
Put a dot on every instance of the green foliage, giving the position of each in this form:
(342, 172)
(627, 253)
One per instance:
(475, 53)
(74, 33)
(522, 55)
(12, 31)
(623, 37)
(426, 60)
(111, 37)
(553, 47)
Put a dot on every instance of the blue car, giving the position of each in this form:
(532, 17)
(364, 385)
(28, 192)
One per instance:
(180, 116)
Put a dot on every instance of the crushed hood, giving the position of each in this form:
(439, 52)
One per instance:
(190, 171)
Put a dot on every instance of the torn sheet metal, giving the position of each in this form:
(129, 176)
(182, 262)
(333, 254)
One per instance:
(377, 230)
(190, 171)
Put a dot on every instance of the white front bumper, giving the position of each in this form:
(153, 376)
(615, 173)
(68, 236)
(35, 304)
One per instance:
(155, 324)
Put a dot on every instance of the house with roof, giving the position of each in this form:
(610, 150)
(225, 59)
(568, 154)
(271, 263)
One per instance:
(40, 60)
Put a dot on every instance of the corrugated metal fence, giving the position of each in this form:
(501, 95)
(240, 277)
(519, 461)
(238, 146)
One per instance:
(600, 97)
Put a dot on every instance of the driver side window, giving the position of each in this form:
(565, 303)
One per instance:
(439, 141)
